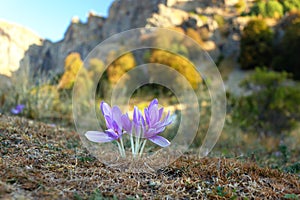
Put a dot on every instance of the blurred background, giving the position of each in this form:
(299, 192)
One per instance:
(255, 45)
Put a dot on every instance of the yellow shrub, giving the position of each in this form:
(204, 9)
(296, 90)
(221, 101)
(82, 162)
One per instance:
(120, 66)
(178, 63)
(73, 63)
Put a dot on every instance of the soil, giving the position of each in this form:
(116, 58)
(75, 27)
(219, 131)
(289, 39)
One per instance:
(42, 161)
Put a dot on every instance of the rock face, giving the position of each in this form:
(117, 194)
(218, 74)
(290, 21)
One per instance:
(127, 14)
(79, 37)
(167, 17)
(14, 42)
(83, 37)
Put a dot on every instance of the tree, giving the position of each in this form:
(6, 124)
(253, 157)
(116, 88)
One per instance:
(272, 107)
(119, 66)
(290, 5)
(73, 63)
(271, 8)
(96, 67)
(288, 58)
(259, 9)
(274, 9)
(256, 45)
(178, 63)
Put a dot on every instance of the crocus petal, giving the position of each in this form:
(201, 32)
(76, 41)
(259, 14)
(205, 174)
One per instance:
(127, 125)
(109, 121)
(105, 108)
(112, 134)
(138, 130)
(147, 116)
(160, 112)
(20, 107)
(142, 120)
(116, 115)
(117, 127)
(14, 111)
(160, 141)
(153, 102)
(137, 116)
(167, 120)
(150, 133)
(154, 114)
(96, 136)
(160, 129)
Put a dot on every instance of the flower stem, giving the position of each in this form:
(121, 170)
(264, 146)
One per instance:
(137, 144)
(136, 148)
(122, 147)
(132, 143)
(143, 146)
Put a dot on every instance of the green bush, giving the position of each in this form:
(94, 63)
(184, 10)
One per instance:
(274, 9)
(272, 107)
(44, 98)
(270, 8)
(287, 55)
(33, 91)
(256, 45)
(290, 5)
(259, 8)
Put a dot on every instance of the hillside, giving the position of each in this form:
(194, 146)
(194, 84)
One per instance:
(43, 161)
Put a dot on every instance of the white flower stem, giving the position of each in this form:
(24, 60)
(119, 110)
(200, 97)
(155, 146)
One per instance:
(137, 138)
(142, 148)
(137, 144)
(132, 143)
(122, 147)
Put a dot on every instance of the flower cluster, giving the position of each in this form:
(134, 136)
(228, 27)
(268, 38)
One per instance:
(18, 109)
(140, 129)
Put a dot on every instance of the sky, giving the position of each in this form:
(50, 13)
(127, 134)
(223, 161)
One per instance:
(50, 18)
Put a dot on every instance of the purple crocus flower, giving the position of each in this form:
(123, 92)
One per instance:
(18, 109)
(116, 122)
(152, 124)
(138, 121)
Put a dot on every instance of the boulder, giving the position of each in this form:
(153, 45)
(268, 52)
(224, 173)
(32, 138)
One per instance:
(14, 42)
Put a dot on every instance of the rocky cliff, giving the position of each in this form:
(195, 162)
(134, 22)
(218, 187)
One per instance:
(79, 37)
(14, 42)
(220, 38)
(83, 37)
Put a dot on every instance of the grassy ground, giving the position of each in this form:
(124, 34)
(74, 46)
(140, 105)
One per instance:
(40, 161)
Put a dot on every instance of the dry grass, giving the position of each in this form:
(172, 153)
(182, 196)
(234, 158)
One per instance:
(39, 161)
